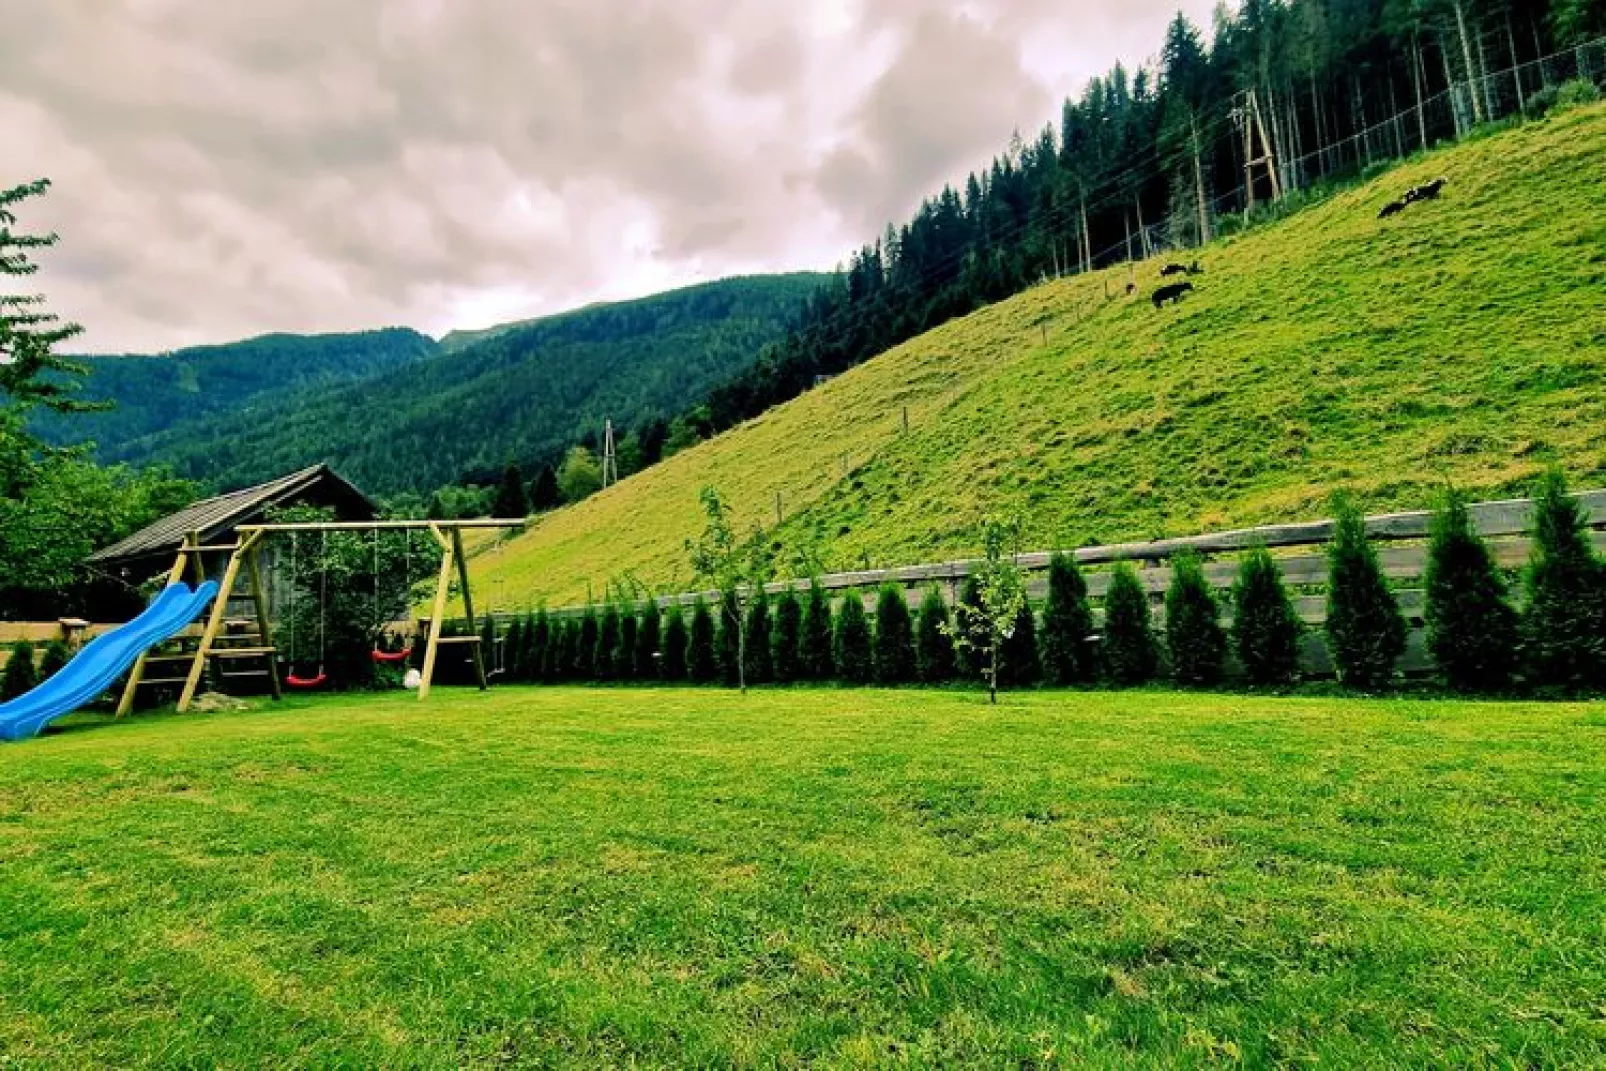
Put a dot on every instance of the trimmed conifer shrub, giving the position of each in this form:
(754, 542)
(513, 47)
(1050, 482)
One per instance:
(538, 647)
(894, 645)
(971, 657)
(702, 662)
(491, 655)
(672, 666)
(649, 640)
(1564, 623)
(20, 675)
(785, 637)
(1195, 641)
(934, 648)
(729, 638)
(605, 660)
(1068, 656)
(814, 655)
(760, 669)
(1019, 665)
(1129, 650)
(585, 648)
(1365, 632)
(54, 660)
(1472, 629)
(850, 647)
(567, 654)
(513, 666)
(624, 657)
(1265, 628)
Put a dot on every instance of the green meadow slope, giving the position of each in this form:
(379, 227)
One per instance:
(1464, 340)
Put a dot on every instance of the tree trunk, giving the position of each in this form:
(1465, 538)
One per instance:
(1399, 137)
(1449, 80)
(1516, 65)
(1321, 125)
(1087, 240)
(1416, 83)
(1539, 53)
(1199, 189)
(1471, 67)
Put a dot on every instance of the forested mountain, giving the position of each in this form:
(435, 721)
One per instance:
(172, 391)
(521, 393)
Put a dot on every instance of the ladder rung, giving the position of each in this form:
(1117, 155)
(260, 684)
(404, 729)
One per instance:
(458, 639)
(242, 652)
(164, 658)
(164, 680)
(257, 674)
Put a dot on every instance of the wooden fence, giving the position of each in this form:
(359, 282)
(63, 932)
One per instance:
(1401, 540)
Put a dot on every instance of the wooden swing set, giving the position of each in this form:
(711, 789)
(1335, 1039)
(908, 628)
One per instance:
(223, 648)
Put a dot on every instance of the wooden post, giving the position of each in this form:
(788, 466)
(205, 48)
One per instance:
(468, 606)
(215, 622)
(181, 565)
(264, 628)
(432, 647)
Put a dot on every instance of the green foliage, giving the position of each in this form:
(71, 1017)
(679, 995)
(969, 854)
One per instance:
(993, 609)
(758, 665)
(934, 650)
(565, 650)
(1365, 632)
(970, 616)
(1020, 665)
(1195, 640)
(544, 493)
(894, 650)
(787, 636)
(1265, 626)
(732, 565)
(511, 501)
(1068, 656)
(649, 642)
(1564, 622)
(702, 661)
(19, 675)
(580, 475)
(624, 656)
(1129, 650)
(730, 638)
(816, 661)
(676, 641)
(606, 659)
(55, 659)
(584, 665)
(850, 642)
(31, 374)
(1472, 629)
(515, 654)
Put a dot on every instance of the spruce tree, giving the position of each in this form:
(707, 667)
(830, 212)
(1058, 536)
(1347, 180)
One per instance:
(1129, 647)
(815, 661)
(971, 616)
(19, 676)
(1564, 623)
(702, 660)
(624, 656)
(1265, 628)
(511, 501)
(934, 649)
(538, 647)
(584, 665)
(760, 668)
(606, 659)
(544, 494)
(491, 654)
(850, 646)
(1020, 665)
(1194, 637)
(1472, 629)
(894, 650)
(648, 642)
(1067, 624)
(513, 668)
(730, 639)
(55, 659)
(1365, 632)
(785, 637)
(672, 665)
(565, 660)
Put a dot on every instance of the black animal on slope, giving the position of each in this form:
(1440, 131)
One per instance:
(1179, 269)
(1172, 293)
(1428, 191)
(1393, 208)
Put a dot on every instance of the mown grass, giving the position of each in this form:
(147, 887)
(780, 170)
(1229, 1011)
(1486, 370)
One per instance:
(599, 877)
(1464, 340)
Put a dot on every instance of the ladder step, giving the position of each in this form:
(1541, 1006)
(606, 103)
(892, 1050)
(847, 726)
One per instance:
(253, 674)
(458, 639)
(164, 680)
(242, 652)
(164, 659)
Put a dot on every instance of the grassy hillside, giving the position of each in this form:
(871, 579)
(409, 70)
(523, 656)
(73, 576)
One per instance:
(519, 393)
(1464, 340)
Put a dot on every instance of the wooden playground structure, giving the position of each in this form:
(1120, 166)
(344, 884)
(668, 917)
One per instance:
(222, 648)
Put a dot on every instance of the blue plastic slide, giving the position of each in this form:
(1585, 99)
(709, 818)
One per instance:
(103, 660)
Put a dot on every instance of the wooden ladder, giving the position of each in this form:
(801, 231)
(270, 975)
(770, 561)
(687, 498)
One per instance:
(222, 649)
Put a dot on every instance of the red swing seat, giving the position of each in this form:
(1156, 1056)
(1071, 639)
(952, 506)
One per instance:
(392, 656)
(293, 681)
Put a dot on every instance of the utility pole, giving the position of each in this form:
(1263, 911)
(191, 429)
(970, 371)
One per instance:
(610, 460)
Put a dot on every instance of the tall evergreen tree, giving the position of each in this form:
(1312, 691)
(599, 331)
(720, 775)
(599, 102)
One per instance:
(760, 667)
(815, 657)
(1365, 632)
(538, 647)
(1195, 639)
(702, 658)
(1129, 647)
(970, 623)
(785, 638)
(1472, 629)
(850, 647)
(1021, 665)
(649, 642)
(730, 639)
(513, 666)
(1068, 658)
(676, 641)
(511, 501)
(624, 658)
(894, 652)
(1265, 628)
(584, 665)
(605, 664)
(1564, 623)
(31, 373)
(544, 494)
(934, 649)
(565, 659)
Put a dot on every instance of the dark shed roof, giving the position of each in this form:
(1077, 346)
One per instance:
(214, 517)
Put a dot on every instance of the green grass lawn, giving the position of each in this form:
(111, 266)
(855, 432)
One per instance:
(584, 877)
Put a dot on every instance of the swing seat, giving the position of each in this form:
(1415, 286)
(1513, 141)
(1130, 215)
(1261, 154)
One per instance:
(392, 656)
(293, 681)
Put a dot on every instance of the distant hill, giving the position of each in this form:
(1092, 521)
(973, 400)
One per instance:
(1463, 341)
(165, 392)
(522, 391)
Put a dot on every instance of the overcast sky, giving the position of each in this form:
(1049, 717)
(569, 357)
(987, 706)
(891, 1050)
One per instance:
(228, 168)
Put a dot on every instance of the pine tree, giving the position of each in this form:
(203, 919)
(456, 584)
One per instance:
(648, 640)
(19, 676)
(1193, 633)
(1365, 632)
(54, 661)
(511, 501)
(815, 659)
(894, 651)
(702, 659)
(729, 638)
(544, 494)
(785, 637)
(1564, 624)
(1265, 628)
(850, 646)
(934, 650)
(605, 661)
(1472, 629)
(673, 664)
(585, 648)
(1129, 647)
(760, 668)
(1068, 657)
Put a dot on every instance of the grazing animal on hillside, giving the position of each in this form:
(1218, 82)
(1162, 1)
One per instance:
(1179, 269)
(1428, 191)
(1393, 208)
(1130, 287)
(1172, 293)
